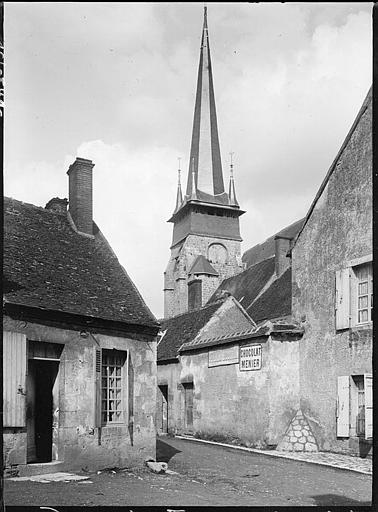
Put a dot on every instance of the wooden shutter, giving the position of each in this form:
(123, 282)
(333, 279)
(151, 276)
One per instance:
(14, 377)
(342, 419)
(130, 397)
(368, 386)
(342, 302)
(97, 371)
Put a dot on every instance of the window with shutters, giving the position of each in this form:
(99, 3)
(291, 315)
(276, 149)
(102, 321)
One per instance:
(354, 296)
(364, 293)
(355, 406)
(113, 386)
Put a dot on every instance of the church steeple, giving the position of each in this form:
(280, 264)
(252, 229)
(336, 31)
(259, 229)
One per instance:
(205, 151)
(206, 220)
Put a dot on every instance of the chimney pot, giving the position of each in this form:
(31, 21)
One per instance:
(80, 194)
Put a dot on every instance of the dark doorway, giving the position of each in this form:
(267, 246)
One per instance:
(162, 412)
(188, 406)
(39, 409)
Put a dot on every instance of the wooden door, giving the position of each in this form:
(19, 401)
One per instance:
(31, 454)
(162, 416)
(188, 406)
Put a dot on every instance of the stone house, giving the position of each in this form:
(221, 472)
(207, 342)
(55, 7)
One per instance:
(230, 370)
(332, 297)
(79, 343)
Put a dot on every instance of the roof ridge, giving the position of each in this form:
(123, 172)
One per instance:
(219, 301)
(27, 204)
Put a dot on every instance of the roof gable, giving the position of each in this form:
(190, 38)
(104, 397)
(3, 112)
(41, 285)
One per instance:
(48, 265)
(202, 265)
(183, 328)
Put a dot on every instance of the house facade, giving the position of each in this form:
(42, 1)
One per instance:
(79, 343)
(332, 297)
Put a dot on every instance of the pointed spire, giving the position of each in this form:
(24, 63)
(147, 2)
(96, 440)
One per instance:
(231, 190)
(193, 193)
(179, 192)
(205, 149)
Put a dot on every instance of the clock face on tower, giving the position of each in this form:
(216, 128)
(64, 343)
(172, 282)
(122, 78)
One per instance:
(217, 253)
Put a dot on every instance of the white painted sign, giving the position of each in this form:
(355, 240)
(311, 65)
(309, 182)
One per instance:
(219, 356)
(250, 358)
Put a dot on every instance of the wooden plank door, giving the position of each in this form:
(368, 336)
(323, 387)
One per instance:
(188, 407)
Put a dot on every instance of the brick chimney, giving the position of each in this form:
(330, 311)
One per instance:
(282, 261)
(57, 205)
(80, 194)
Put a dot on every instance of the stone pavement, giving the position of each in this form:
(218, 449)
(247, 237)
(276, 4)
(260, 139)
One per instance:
(335, 460)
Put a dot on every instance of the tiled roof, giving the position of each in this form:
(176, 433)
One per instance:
(248, 284)
(275, 302)
(266, 249)
(221, 340)
(278, 330)
(182, 329)
(48, 265)
(202, 266)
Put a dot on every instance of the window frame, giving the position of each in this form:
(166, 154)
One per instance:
(346, 294)
(358, 281)
(123, 379)
(347, 406)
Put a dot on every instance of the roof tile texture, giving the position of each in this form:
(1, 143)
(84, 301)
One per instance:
(183, 328)
(50, 266)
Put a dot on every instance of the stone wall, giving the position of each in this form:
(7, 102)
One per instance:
(169, 375)
(338, 231)
(183, 257)
(253, 407)
(80, 442)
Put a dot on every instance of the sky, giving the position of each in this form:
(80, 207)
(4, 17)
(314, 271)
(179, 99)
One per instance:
(115, 83)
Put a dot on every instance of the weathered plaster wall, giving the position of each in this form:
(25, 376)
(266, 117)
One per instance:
(283, 385)
(339, 230)
(182, 258)
(228, 319)
(169, 374)
(249, 407)
(79, 442)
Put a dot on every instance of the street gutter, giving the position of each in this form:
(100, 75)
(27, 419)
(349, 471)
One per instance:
(292, 456)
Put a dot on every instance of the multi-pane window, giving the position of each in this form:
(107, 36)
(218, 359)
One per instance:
(364, 293)
(354, 406)
(112, 392)
(354, 295)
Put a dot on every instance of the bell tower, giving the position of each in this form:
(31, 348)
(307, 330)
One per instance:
(206, 242)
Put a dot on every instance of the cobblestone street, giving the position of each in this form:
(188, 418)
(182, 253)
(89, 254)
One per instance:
(204, 474)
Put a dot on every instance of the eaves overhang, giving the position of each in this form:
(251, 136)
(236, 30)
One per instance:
(205, 205)
(74, 321)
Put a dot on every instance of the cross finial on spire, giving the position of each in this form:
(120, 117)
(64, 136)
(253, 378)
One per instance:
(179, 170)
(179, 192)
(231, 190)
